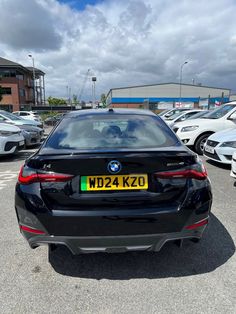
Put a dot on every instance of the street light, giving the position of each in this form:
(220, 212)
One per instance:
(35, 93)
(94, 79)
(180, 80)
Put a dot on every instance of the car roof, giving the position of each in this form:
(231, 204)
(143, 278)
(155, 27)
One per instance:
(110, 111)
(196, 110)
(23, 111)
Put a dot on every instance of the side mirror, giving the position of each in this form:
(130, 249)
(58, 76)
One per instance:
(232, 116)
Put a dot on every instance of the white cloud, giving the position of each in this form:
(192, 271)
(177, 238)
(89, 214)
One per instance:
(123, 42)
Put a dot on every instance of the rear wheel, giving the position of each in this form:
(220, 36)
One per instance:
(199, 145)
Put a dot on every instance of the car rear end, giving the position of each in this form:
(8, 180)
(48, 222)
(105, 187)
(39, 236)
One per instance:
(112, 199)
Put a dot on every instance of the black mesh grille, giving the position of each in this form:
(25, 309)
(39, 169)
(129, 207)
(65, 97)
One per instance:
(9, 146)
(229, 157)
(213, 156)
(212, 143)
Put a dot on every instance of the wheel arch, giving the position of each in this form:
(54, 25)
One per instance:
(203, 133)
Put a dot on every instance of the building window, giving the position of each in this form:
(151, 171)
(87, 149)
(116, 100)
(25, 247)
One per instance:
(22, 92)
(8, 73)
(6, 90)
(20, 77)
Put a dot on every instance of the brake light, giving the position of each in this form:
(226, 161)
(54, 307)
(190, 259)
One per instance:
(193, 174)
(197, 224)
(30, 176)
(197, 171)
(31, 230)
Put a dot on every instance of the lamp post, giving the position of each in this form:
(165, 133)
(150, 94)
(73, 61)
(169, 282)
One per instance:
(180, 80)
(35, 93)
(94, 79)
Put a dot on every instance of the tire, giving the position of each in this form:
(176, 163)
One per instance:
(200, 143)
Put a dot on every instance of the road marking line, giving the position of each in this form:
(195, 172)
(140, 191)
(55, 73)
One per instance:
(7, 176)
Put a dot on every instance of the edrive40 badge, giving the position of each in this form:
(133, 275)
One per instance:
(114, 166)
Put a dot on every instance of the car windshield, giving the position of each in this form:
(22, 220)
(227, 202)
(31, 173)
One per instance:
(199, 115)
(10, 116)
(174, 112)
(102, 131)
(219, 112)
(175, 115)
(163, 112)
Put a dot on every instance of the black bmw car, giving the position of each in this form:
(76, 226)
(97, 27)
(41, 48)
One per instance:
(112, 180)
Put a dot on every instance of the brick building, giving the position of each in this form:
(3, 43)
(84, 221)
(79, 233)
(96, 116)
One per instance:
(18, 86)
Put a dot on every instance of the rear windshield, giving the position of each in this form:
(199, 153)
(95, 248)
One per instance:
(99, 132)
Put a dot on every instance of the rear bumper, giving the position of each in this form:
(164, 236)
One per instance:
(114, 228)
(115, 244)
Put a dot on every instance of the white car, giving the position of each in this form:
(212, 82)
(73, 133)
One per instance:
(220, 146)
(28, 115)
(194, 133)
(11, 139)
(233, 170)
(181, 116)
(169, 112)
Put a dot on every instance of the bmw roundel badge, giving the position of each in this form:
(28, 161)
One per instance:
(114, 166)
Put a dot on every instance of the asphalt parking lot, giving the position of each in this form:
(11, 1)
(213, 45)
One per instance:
(198, 278)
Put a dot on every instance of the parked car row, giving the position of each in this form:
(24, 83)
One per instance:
(11, 118)
(28, 115)
(185, 115)
(212, 134)
(17, 132)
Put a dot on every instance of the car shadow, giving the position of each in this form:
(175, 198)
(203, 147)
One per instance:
(21, 155)
(215, 248)
(217, 164)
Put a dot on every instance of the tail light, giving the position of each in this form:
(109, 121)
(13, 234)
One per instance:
(28, 175)
(31, 230)
(197, 171)
(197, 224)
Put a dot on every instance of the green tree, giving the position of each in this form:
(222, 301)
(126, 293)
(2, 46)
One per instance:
(75, 100)
(53, 101)
(103, 100)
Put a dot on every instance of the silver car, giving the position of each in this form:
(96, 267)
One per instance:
(32, 135)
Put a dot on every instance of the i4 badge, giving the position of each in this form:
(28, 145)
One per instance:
(114, 166)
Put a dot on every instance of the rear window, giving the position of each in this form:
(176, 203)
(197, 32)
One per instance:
(99, 132)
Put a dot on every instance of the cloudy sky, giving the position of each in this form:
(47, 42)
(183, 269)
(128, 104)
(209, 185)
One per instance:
(122, 42)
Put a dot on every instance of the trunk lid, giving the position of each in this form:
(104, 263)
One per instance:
(163, 193)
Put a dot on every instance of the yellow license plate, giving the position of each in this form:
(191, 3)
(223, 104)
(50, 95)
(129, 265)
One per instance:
(114, 182)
